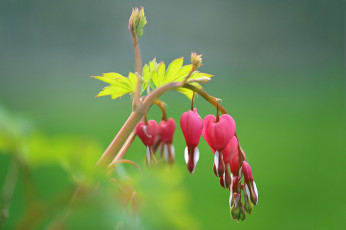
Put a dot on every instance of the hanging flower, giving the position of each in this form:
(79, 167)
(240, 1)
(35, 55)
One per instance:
(191, 125)
(147, 133)
(250, 185)
(218, 132)
(166, 132)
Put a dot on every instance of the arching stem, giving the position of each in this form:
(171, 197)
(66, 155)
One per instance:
(193, 99)
(161, 105)
(119, 140)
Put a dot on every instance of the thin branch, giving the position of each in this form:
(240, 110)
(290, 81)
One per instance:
(161, 105)
(124, 161)
(124, 149)
(138, 58)
(189, 75)
(137, 94)
(207, 97)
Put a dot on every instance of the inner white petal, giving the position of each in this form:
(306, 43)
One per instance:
(216, 162)
(230, 199)
(145, 131)
(196, 157)
(247, 190)
(172, 150)
(186, 155)
(165, 152)
(224, 180)
(255, 188)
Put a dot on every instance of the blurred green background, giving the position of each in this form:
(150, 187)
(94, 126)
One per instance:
(278, 66)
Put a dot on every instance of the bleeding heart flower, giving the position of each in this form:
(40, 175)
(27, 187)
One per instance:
(234, 164)
(250, 185)
(218, 134)
(230, 149)
(191, 125)
(166, 131)
(147, 133)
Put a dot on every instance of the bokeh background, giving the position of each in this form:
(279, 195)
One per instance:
(278, 66)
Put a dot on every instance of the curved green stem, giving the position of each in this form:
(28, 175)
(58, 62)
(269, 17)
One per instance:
(161, 105)
(212, 100)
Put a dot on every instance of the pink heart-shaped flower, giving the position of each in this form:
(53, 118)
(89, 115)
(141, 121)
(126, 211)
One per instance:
(230, 149)
(147, 133)
(218, 134)
(166, 130)
(191, 125)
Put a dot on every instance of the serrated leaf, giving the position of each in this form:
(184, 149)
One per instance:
(119, 85)
(161, 70)
(113, 91)
(187, 92)
(153, 65)
(155, 80)
(182, 73)
(146, 73)
(133, 80)
(197, 75)
(173, 69)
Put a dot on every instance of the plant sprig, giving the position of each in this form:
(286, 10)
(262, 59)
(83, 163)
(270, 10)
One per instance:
(154, 75)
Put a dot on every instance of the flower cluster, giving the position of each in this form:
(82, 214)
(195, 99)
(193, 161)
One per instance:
(229, 159)
(155, 137)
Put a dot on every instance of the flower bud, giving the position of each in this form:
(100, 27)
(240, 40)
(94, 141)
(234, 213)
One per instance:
(237, 209)
(137, 21)
(246, 169)
(250, 185)
(225, 180)
(196, 60)
(191, 126)
(247, 204)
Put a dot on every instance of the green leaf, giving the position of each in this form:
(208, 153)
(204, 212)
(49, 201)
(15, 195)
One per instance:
(147, 74)
(182, 73)
(155, 80)
(119, 85)
(161, 69)
(133, 80)
(197, 75)
(187, 92)
(173, 69)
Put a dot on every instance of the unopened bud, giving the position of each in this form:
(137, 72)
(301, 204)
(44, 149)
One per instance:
(137, 21)
(235, 183)
(225, 180)
(196, 60)
(247, 204)
(246, 169)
